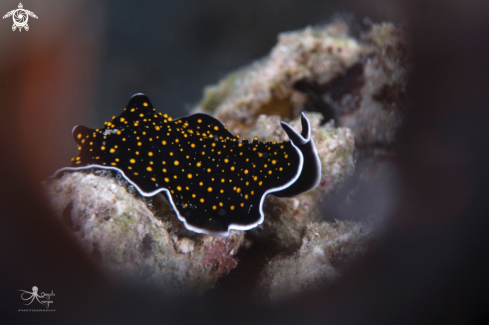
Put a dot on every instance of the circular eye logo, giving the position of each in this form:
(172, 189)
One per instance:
(20, 17)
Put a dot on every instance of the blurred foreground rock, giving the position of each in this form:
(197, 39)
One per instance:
(327, 248)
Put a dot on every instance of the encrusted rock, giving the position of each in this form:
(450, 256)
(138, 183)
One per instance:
(121, 233)
(358, 82)
(326, 250)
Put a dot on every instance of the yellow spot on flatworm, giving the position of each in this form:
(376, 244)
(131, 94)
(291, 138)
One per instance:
(102, 148)
(214, 207)
(216, 128)
(167, 179)
(274, 162)
(79, 135)
(163, 142)
(260, 183)
(201, 200)
(242, 204)
(246, 171)
(112, 150)
(232, 207)
(140, 143)
(199, 164)
(132, 160)
(189, 176)
(201, 183)
(176, 163)
(223, 180)
(232, 168)
(149, 169)
(145, 104)
(209, 189)
(150, 154)
(179, 188)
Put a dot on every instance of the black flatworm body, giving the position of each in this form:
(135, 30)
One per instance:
(214, 180)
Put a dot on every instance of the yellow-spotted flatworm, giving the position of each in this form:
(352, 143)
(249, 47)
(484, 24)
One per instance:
(214, 180)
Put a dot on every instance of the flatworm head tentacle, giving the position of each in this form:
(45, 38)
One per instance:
(310, 175)
(214, 180)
